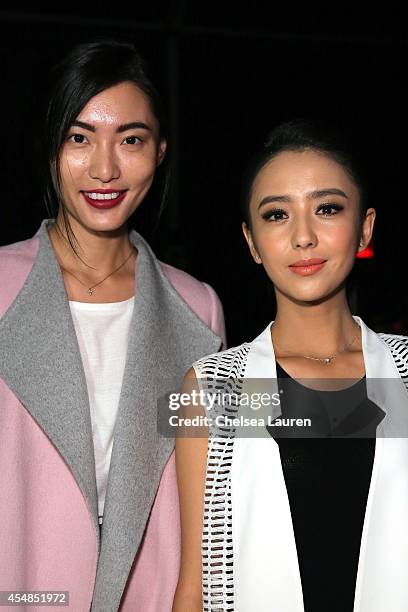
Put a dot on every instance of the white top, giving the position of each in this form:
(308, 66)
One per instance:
(102, 332)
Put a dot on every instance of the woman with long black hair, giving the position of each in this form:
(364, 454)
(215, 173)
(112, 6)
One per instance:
(305, 508)
(93, 331)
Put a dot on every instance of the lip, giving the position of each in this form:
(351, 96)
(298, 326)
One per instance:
(308, 262)
(305, 267)
(104, 204)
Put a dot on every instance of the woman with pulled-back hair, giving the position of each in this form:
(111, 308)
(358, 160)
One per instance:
(305, 509)
(93, 330)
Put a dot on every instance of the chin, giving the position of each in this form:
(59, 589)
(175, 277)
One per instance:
(317, 297)
(312, 296)
(109, 226)
(101, 221)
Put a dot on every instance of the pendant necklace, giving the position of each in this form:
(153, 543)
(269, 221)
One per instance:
(325, 360)
(90, 290)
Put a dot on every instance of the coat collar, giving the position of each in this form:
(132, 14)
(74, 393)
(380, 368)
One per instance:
(38, 339)
(384, 384)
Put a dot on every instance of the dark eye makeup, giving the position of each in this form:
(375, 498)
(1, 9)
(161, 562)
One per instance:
(278, 212)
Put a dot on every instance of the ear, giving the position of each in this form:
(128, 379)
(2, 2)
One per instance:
(161, 151)
(250, 242)
(367, 229)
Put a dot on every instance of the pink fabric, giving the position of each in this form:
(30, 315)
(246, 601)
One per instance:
(153, 579)
(196, 295)
(16, 261)
(56, 547)
(47, 536)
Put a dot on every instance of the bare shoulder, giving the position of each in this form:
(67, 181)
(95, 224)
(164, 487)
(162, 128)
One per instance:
(190, 376)
(192, 405)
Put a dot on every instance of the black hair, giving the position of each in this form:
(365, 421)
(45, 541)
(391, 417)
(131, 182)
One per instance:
(300, 135)
(87, 70)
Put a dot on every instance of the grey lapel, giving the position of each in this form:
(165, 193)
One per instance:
(41, 363)
(165, 338)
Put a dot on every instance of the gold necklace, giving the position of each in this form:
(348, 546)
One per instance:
(90, 290)
(325, 360)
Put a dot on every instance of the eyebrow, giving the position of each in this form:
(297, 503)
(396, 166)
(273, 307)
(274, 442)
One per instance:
(312, 195)
(133, 125)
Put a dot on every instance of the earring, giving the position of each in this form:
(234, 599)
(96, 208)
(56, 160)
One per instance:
(257, 257)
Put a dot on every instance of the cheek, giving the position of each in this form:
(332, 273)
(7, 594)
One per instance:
(141, 168)
(143, 171)
(273, 250)
(270, 243)
(73, 165)
(342, 241)
(139, 177)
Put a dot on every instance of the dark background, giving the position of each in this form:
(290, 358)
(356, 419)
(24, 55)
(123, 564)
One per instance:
(229, 75)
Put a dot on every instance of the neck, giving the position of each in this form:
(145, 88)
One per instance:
(319, 329)
(98, 250)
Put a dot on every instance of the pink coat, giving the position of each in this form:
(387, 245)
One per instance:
(49, 538)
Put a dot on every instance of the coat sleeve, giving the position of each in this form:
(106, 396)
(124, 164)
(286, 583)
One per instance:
(217, 315)
(200, 297)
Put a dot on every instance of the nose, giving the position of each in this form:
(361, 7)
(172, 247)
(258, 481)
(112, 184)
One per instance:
(103, 164)
(303, 235)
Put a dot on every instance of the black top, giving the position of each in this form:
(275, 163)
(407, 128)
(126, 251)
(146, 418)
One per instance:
(327, 480)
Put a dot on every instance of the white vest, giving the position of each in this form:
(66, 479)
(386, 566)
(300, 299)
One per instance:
(249, 554)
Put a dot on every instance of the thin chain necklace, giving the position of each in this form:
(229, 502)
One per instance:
(90, 290)
(325, 360)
